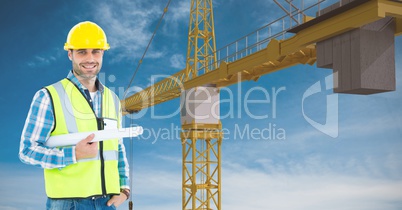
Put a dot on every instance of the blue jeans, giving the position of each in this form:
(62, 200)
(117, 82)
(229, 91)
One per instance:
(99, 203)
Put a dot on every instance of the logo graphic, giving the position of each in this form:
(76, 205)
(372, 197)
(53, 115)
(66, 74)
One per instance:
(330, 127)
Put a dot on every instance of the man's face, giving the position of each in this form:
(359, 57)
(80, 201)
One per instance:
(86, 62)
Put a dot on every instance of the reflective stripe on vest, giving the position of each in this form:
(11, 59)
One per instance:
(107, 155)
(66, 108)
(91, 176)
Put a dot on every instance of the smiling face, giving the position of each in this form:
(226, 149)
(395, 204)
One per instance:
(86, 62)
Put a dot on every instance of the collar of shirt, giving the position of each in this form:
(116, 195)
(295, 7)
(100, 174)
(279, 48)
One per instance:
(75, 80)
(97, 101)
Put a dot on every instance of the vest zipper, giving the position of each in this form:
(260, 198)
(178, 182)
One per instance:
(102, 159)
(102, 168)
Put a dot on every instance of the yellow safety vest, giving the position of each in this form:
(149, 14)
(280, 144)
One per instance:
(88, 177)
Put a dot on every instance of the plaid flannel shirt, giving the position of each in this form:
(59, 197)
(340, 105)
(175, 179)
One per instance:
(38, 126)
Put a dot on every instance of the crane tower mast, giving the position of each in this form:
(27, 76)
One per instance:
(201, 48)
(201, 138)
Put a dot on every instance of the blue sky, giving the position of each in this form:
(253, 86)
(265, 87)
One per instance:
(306, 169)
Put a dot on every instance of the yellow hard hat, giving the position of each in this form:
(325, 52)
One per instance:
(86, 35)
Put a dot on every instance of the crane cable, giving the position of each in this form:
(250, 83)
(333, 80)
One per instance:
(130, 203)
(146, 49)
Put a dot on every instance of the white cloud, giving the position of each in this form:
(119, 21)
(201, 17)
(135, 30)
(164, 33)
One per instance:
(179, 13)
(169, 159)
(352, 127)
(45, 59)
(254, 190)
(128, 29)
(176, 18)
(177, 61)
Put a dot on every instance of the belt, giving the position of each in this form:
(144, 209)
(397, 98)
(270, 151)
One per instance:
(90, 197)
(97, 197)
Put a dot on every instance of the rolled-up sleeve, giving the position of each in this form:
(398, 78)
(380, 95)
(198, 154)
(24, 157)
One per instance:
(38, 126)
(124, 169)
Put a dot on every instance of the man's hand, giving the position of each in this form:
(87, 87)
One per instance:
(86, 149)
(117, 200)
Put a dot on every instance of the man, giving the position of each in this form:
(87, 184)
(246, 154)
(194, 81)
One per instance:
(87, 175)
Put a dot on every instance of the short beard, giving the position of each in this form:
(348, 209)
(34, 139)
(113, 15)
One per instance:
(79, 73)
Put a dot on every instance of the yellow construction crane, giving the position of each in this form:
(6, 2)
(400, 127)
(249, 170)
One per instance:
(335, 38)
